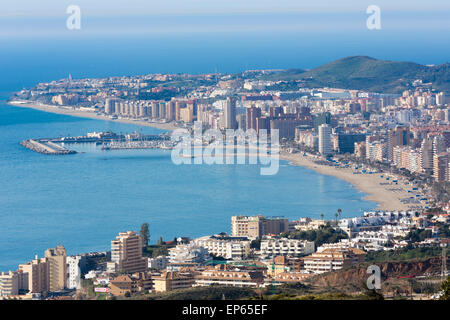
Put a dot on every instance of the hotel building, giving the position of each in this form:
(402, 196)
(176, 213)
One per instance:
(257, 226)
(333, 259)
(126, 253)
(285, 247)
(235, 248)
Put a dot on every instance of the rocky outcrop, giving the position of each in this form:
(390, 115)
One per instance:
(355, 276)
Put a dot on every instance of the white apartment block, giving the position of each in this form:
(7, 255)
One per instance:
(188, 253)
(342, 244)
(325, 146)
(159, 263)
(74, 272)
(285, 247)
(236, 248)
(333, 259)
(378, 238)
(9, 283)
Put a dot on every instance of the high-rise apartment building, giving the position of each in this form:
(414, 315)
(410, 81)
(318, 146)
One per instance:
(399, 136)
(325, 146)
(440, 99)
(252, 114)
(229, 113)
(426, 155)
(37, 278)
(57, 268)
(126, 253)
(440, 167)
(73, 272)
(10, 283)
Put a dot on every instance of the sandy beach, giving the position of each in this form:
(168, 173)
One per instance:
(91, 115)
(388, 196)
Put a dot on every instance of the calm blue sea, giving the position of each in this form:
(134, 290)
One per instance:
(82, 201)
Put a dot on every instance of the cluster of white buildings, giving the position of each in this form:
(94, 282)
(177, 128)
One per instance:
(271, 247)
(235, 248)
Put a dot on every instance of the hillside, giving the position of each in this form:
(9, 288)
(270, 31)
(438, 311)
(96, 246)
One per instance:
(351, 279)
(366, 73)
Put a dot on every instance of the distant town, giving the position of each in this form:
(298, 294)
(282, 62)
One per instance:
(392, 146)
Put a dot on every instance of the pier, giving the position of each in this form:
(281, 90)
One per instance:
(46, 147)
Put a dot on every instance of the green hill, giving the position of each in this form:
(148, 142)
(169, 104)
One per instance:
(366, 73)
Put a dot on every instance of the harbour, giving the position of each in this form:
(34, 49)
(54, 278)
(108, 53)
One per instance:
(108, 141)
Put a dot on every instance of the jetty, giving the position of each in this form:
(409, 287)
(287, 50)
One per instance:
(46, 147)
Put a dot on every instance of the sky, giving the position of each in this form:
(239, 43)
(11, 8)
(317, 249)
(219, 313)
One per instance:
(230, 34)
(34, 18)
(137, 7)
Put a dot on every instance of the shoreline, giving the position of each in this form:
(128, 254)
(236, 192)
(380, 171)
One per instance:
(386, 199)
(89, 115)
(384, 195)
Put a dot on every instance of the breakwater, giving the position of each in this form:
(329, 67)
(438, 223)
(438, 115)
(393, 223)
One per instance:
(46, 147)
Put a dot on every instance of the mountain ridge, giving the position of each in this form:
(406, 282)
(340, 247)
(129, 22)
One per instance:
(371, 74)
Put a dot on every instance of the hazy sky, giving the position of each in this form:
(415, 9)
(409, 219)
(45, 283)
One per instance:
(38, 8)
(34, 18)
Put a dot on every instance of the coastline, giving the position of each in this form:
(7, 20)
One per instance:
(383, 195)
(90, 115)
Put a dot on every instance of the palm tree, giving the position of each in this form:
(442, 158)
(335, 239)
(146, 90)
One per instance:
(336, 216)
(339, 211)
(321, 216)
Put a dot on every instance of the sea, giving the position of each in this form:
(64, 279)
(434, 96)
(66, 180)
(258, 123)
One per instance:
(83, 201)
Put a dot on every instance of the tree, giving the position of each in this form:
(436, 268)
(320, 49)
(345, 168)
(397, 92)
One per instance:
(339, 211)
(445, 286)
(145, 234)
(321, 216)
(127, 294)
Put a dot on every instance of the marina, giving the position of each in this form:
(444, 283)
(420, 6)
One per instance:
(108, 141)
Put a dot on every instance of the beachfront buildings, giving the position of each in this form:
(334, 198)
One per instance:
(333, 259)
(47, 274)
(271, 247)
(126, 253)
(37, 277)
(257, 226)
